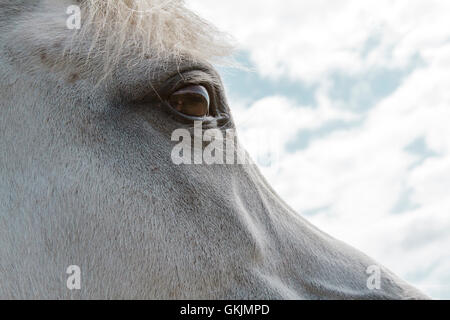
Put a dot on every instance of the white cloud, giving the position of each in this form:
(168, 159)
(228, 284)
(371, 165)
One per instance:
(359, 183)
(355, 177)
(310, 39)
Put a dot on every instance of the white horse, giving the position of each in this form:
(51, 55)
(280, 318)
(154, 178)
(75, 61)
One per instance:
(86, 176)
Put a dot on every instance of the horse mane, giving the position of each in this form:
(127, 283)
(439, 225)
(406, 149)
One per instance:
(151, 29)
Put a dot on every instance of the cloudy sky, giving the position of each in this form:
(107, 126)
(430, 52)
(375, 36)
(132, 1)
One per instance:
(345, 107)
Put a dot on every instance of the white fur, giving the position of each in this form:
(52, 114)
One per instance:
(156, 29)
(86, 177)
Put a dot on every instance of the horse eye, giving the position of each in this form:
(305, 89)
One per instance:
(192, 101)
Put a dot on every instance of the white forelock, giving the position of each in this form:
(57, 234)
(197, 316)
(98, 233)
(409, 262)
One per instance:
(150, 28)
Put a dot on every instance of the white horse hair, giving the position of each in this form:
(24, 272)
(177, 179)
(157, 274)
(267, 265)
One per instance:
(153, 29)
(86, 177)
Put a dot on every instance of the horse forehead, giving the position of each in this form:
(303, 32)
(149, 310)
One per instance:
(43, 32)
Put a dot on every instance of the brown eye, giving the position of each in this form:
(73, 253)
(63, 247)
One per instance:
(192, 101)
